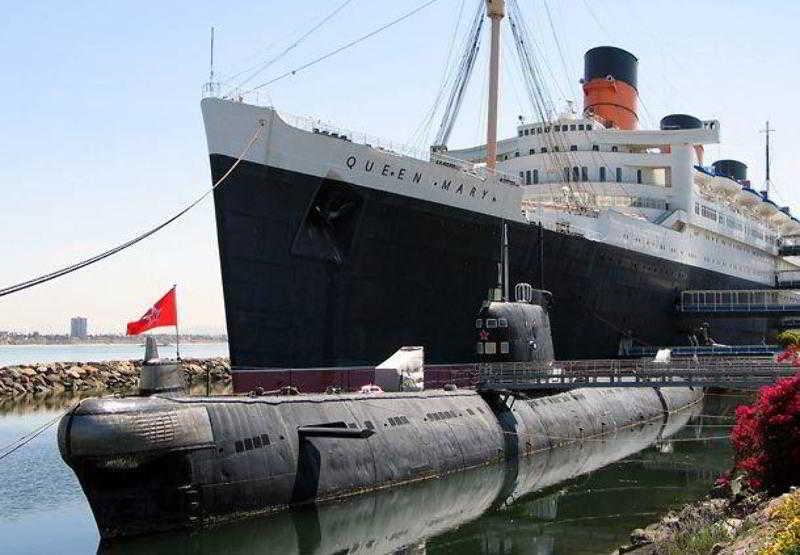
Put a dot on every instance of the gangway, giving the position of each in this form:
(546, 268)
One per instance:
(743, 302)
(787, 279)
(722, 372)
(707, 351)
(790, 246)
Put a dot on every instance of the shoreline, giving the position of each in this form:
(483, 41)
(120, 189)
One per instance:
(104, 376)
(102, 344)
(722, 522)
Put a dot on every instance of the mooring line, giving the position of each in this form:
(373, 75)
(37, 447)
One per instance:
(98, 257)
(22, 441)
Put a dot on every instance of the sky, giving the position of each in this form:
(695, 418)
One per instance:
(101, 135)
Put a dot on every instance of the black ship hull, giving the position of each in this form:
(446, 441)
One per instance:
(318, 272)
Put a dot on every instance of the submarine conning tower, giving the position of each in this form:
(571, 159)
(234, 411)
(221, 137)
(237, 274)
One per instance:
(610, 91)
(517, 331)
(159, 375)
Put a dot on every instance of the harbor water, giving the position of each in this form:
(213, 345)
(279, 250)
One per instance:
(533, 507)
(32, 354)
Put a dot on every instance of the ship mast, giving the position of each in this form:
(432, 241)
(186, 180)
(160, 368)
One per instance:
(496, 10)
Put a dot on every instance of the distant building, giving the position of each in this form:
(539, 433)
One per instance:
(78, 327)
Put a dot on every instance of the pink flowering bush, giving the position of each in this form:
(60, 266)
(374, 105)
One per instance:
(766, 436)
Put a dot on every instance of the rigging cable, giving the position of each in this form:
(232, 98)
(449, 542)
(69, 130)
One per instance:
(98, 257)
(341, 48)
(462, 78)
(264, 65)
(422, 131)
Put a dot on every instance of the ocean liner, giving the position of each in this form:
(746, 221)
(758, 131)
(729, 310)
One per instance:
(336, 249)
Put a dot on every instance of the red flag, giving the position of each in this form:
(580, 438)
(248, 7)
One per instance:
(163, 313)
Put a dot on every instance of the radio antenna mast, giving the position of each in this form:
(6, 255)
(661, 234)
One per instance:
(211, 88)
(211, 75)
(767, 130)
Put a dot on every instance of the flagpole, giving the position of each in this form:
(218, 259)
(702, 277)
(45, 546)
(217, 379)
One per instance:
(177, 329)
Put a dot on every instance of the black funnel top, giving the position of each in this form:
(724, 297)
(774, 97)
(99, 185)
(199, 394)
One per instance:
(731, 168)
(602, 61)
(680, 121)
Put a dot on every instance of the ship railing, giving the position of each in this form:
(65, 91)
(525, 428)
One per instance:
(477, 169)
(323, 127)
(521, 375)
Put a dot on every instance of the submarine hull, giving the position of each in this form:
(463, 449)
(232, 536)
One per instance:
(149, 464)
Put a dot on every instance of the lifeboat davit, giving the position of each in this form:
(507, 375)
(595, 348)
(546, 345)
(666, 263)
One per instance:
(747, 197)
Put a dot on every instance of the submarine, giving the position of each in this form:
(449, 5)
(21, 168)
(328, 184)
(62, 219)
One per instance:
(391, 519)
(162, 460)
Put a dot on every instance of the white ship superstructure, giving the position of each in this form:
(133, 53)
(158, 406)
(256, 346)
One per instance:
(645, 190)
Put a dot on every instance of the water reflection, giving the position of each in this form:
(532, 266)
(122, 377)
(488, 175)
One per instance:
(534, 498)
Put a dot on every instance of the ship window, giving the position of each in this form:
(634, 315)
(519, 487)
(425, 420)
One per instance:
(638, 176)
(504, 347)
(490, 348)
(532, 151)
(491, 322)
(573, 148)
(588, 126)
(547, 130)
(527, 132)
(480, 348)
(239, 446)
(557, 128)
(404, 420)
(614, 149)
(572, 127)
(520, 133)
(576, 173)
(602, 173)
(581, 127)
(265, 439)
(521, 176)
(392, 421)
(619, 175)
(516, 154)
(584, 173)
(536, 176)
(502, 322)
(566, 174)
(480, 410)
(556, 149)
(478, 323)
(369, 425)
(539, 130)
(596, 147)
(528, 177)
(543, 150)
(469, 412)
(257, 442)
(248, 444)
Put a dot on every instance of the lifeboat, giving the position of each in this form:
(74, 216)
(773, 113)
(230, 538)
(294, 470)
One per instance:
(781, 218)
(792, 227)
(747, 197)
(725, 186)
(767, 208)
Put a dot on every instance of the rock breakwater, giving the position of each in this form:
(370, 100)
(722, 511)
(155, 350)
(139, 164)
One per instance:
(113, 375)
